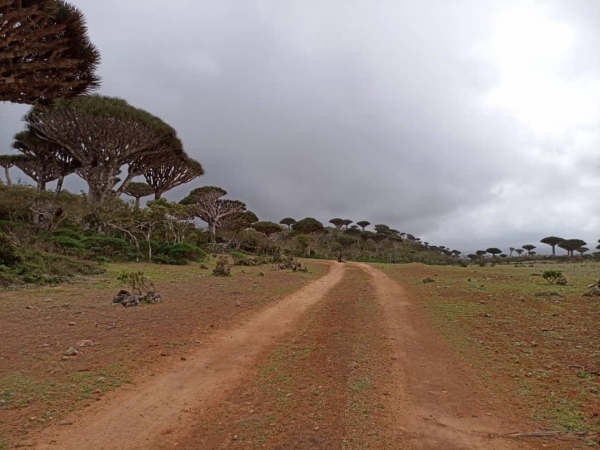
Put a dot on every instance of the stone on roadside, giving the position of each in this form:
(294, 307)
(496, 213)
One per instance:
(72, 351)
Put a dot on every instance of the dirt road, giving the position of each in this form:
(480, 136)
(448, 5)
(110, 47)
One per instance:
(427, 398)
(137, 418)
(438, 404)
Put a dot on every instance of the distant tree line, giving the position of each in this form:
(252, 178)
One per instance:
(569, 245)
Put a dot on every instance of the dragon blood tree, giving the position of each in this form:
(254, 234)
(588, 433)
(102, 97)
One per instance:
(45, 52)
(102, 134)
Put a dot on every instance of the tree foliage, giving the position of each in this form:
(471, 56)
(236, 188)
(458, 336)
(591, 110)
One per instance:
(207, 204)
(288, 222)
(267, 228)
(308, 225)
(493, 251)
(170, 172)
(552, 241)
(571, 245)
(45, 52)
(137, 191)
(337, 223)
(102, 134)
(45, 161)
(363, 224)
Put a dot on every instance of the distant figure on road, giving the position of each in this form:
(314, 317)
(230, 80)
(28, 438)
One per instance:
(341, 257)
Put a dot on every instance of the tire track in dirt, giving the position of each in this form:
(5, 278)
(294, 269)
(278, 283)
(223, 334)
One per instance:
(137, 418)
(438, 404)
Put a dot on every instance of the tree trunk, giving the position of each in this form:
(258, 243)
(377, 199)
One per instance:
(553, 250)
(137, 203)
(125, 184)
(213, 231)
(59, 184)
(41, 186)
(8, 178)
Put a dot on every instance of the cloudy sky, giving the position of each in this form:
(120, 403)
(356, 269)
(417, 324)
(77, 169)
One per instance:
(467, 123)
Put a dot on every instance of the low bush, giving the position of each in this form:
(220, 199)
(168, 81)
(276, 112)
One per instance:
(552, 276)
(9, 254)
(179, 254)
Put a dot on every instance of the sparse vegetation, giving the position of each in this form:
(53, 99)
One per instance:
(552, 275)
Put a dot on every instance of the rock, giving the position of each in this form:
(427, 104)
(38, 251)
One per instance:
(127, 299)
(29, 307)
(595, 292)
(428, 280)
(561, 281)
(85, 343)
(72, 324)
(72, 351)
(152, 297)
(48, 300)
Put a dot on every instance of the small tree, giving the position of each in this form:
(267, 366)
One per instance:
(288, 222)
(208, 206)
(363, 224)
(137, 191)
(529, 248)
(511, 249)
(47, 161)
(582, 250)
(170, 172)
(46, 53)
(36, 170)
(552, 275)
(337, 223)
(480, 253)
(102, 134)
(381, 228)
(519, 251)
(304, 242)
(345, 240)
(571, 245)
(552, 241)
(493, 251)
(378, 238)
(267, 228)
(346, 223)
(308, 225)
(238, 222)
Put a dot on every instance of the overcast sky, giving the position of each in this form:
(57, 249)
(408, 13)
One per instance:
(468, 123)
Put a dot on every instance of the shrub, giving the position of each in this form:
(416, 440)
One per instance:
(67, 242)
(552, 275)
(222, 269)
(179, 254)
(9, 255)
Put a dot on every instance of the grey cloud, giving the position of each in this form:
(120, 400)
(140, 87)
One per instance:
(364, 110)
